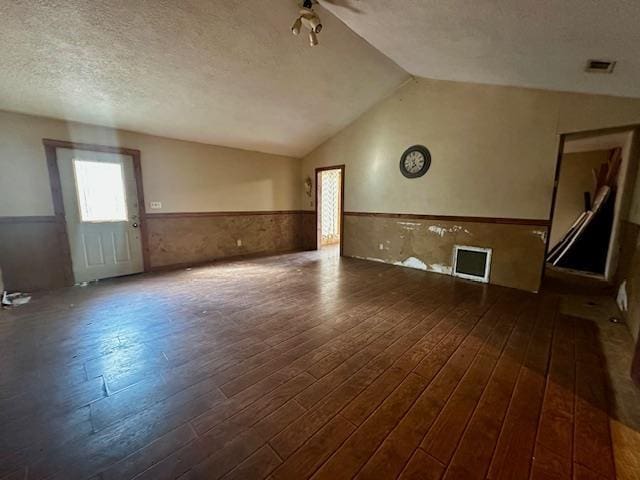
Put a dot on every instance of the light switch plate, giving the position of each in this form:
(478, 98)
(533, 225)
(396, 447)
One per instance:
(155, 205)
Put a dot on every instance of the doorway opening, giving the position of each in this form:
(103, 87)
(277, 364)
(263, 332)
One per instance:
(588, 205)
(330, 208)
(99, 204)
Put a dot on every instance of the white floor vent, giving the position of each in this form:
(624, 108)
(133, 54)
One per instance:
(472, 263)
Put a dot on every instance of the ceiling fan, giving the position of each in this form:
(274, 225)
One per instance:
(310, 20)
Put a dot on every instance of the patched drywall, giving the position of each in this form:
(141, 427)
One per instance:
(494, 153)
(517, 258)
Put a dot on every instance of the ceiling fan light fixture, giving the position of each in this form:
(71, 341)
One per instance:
(308, 19)
(295, 29)
(313, 38)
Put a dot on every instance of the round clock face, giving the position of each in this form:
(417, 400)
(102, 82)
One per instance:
(415, 161)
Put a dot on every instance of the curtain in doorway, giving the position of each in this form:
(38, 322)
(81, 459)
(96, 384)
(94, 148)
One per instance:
(330, 207)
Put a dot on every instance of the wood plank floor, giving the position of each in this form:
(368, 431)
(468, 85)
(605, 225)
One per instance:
(300, 366)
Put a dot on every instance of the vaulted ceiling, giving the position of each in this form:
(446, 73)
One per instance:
(541, 43)
(230, 73)
(213, 71)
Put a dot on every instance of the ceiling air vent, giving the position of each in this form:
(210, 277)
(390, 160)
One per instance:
(600, 66)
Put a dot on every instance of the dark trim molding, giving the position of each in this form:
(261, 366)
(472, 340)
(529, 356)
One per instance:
(151, 216)
(142, 212)
(48, 142)
(454, 218)
(556, 182)
(50, 147)
(601, 131)
(635, 366)
(58, 210)
(29, 219)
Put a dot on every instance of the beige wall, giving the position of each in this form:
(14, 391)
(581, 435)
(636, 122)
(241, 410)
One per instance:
(629, 260)
(494, 148)
(634, 178)
(629, 273)
(575, 179)
(494, 153)
(184, 176)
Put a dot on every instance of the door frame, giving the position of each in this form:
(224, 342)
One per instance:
(554, 194)
(51, 154)
(632, 167)
(317, 205)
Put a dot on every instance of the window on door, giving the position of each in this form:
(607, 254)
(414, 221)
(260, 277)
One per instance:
(101, 192)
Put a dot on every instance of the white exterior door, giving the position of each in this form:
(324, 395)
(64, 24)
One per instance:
(102, 213)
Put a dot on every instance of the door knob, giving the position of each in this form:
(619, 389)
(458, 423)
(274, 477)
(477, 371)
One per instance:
(135, 225)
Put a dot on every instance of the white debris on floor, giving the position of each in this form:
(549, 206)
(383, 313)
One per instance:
(11, 299)
(14, 299)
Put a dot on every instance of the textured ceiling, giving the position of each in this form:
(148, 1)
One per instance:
(541, 43)
(214, 71)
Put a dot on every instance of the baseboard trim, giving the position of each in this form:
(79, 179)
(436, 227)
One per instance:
(215, 261)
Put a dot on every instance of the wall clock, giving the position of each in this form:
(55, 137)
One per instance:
(415, 161)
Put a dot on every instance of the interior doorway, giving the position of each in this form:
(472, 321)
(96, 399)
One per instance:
(588, 205)
(98, 199)
(330, 207)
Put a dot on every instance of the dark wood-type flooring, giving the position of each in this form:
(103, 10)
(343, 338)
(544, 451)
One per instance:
(297, 366)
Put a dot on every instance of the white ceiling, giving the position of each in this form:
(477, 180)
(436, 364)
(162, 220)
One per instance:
(214, 71)
(540, 43)
(230, 73)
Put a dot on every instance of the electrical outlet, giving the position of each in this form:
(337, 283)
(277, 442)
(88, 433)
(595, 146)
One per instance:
(155, 205)
(381, 246)
(239, 242)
